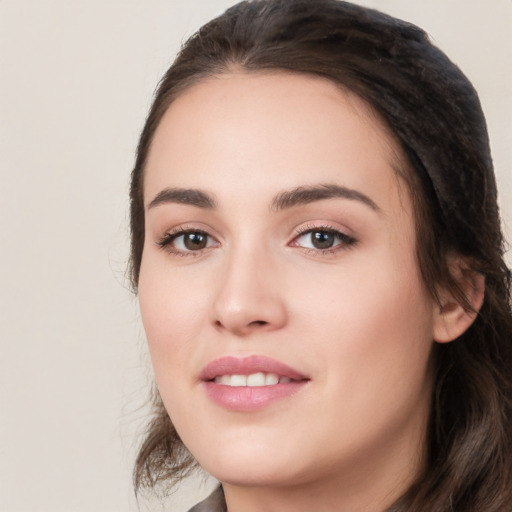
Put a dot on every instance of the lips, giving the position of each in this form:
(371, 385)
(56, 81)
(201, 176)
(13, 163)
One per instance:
(250, 383)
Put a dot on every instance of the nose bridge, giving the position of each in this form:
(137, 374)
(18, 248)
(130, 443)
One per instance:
(248, 296)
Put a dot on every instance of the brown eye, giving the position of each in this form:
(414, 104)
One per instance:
(322, 239)
(195, 241)
(185, 242)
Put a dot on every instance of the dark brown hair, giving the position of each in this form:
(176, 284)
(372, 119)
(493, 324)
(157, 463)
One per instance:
(435, 115)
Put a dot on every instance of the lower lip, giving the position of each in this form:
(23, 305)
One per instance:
(250, 398)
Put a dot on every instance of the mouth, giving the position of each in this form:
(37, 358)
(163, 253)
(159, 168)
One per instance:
(252, 380)
(250, 383)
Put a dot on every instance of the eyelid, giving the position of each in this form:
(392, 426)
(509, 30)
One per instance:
(165, 242)
(345, 240)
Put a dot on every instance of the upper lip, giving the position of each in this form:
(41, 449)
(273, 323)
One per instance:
(232, 365)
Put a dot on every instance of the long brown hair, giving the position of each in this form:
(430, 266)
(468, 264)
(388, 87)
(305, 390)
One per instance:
(435, 115)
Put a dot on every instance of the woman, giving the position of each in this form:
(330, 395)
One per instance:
(317, 251)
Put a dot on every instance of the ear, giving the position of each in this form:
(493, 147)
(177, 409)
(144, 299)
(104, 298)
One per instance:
(452, 317)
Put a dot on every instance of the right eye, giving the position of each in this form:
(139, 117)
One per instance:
(187, 241)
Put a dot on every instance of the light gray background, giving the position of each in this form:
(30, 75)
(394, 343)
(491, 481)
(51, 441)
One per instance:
(76, 79)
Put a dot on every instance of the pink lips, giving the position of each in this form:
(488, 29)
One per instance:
(247, 398)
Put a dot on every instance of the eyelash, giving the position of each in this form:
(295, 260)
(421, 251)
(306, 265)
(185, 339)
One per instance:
(166, 241)
(345, 241)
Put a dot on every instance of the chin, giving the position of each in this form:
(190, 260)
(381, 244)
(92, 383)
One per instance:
(249, 464)
(252, 472)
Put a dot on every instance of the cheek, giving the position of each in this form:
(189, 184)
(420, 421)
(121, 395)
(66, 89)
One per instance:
(375, 321)
(170, 310)
(373, 338)
(173, 314)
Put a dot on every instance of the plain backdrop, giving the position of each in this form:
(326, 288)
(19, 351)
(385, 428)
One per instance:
(76, 80)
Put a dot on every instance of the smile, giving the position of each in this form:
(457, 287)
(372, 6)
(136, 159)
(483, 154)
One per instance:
(250, 383)
(253, 380)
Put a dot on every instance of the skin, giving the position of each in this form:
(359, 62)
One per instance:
(357, 320)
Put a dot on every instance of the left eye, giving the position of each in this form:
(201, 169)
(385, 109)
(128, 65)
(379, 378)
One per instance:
(322, 239)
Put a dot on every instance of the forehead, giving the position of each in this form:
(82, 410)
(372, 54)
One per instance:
(242, 124)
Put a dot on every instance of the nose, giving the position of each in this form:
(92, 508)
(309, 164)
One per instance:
(249, 297)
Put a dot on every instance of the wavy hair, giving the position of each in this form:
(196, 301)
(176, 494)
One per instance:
(434, 113)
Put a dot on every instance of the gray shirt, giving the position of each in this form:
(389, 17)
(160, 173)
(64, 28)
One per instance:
(214, 503)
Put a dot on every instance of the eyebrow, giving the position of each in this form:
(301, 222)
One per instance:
(190, 196)
(305, 195)
(284, 200)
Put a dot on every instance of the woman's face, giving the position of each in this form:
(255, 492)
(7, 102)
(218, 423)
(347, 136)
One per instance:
(287, 321)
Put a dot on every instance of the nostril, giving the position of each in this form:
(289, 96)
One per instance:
(258, 322)
(246, 328)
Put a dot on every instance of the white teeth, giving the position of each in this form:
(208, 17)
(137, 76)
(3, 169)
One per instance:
(256, 379)
(238, 380)
(253, 380)
(271, 379)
